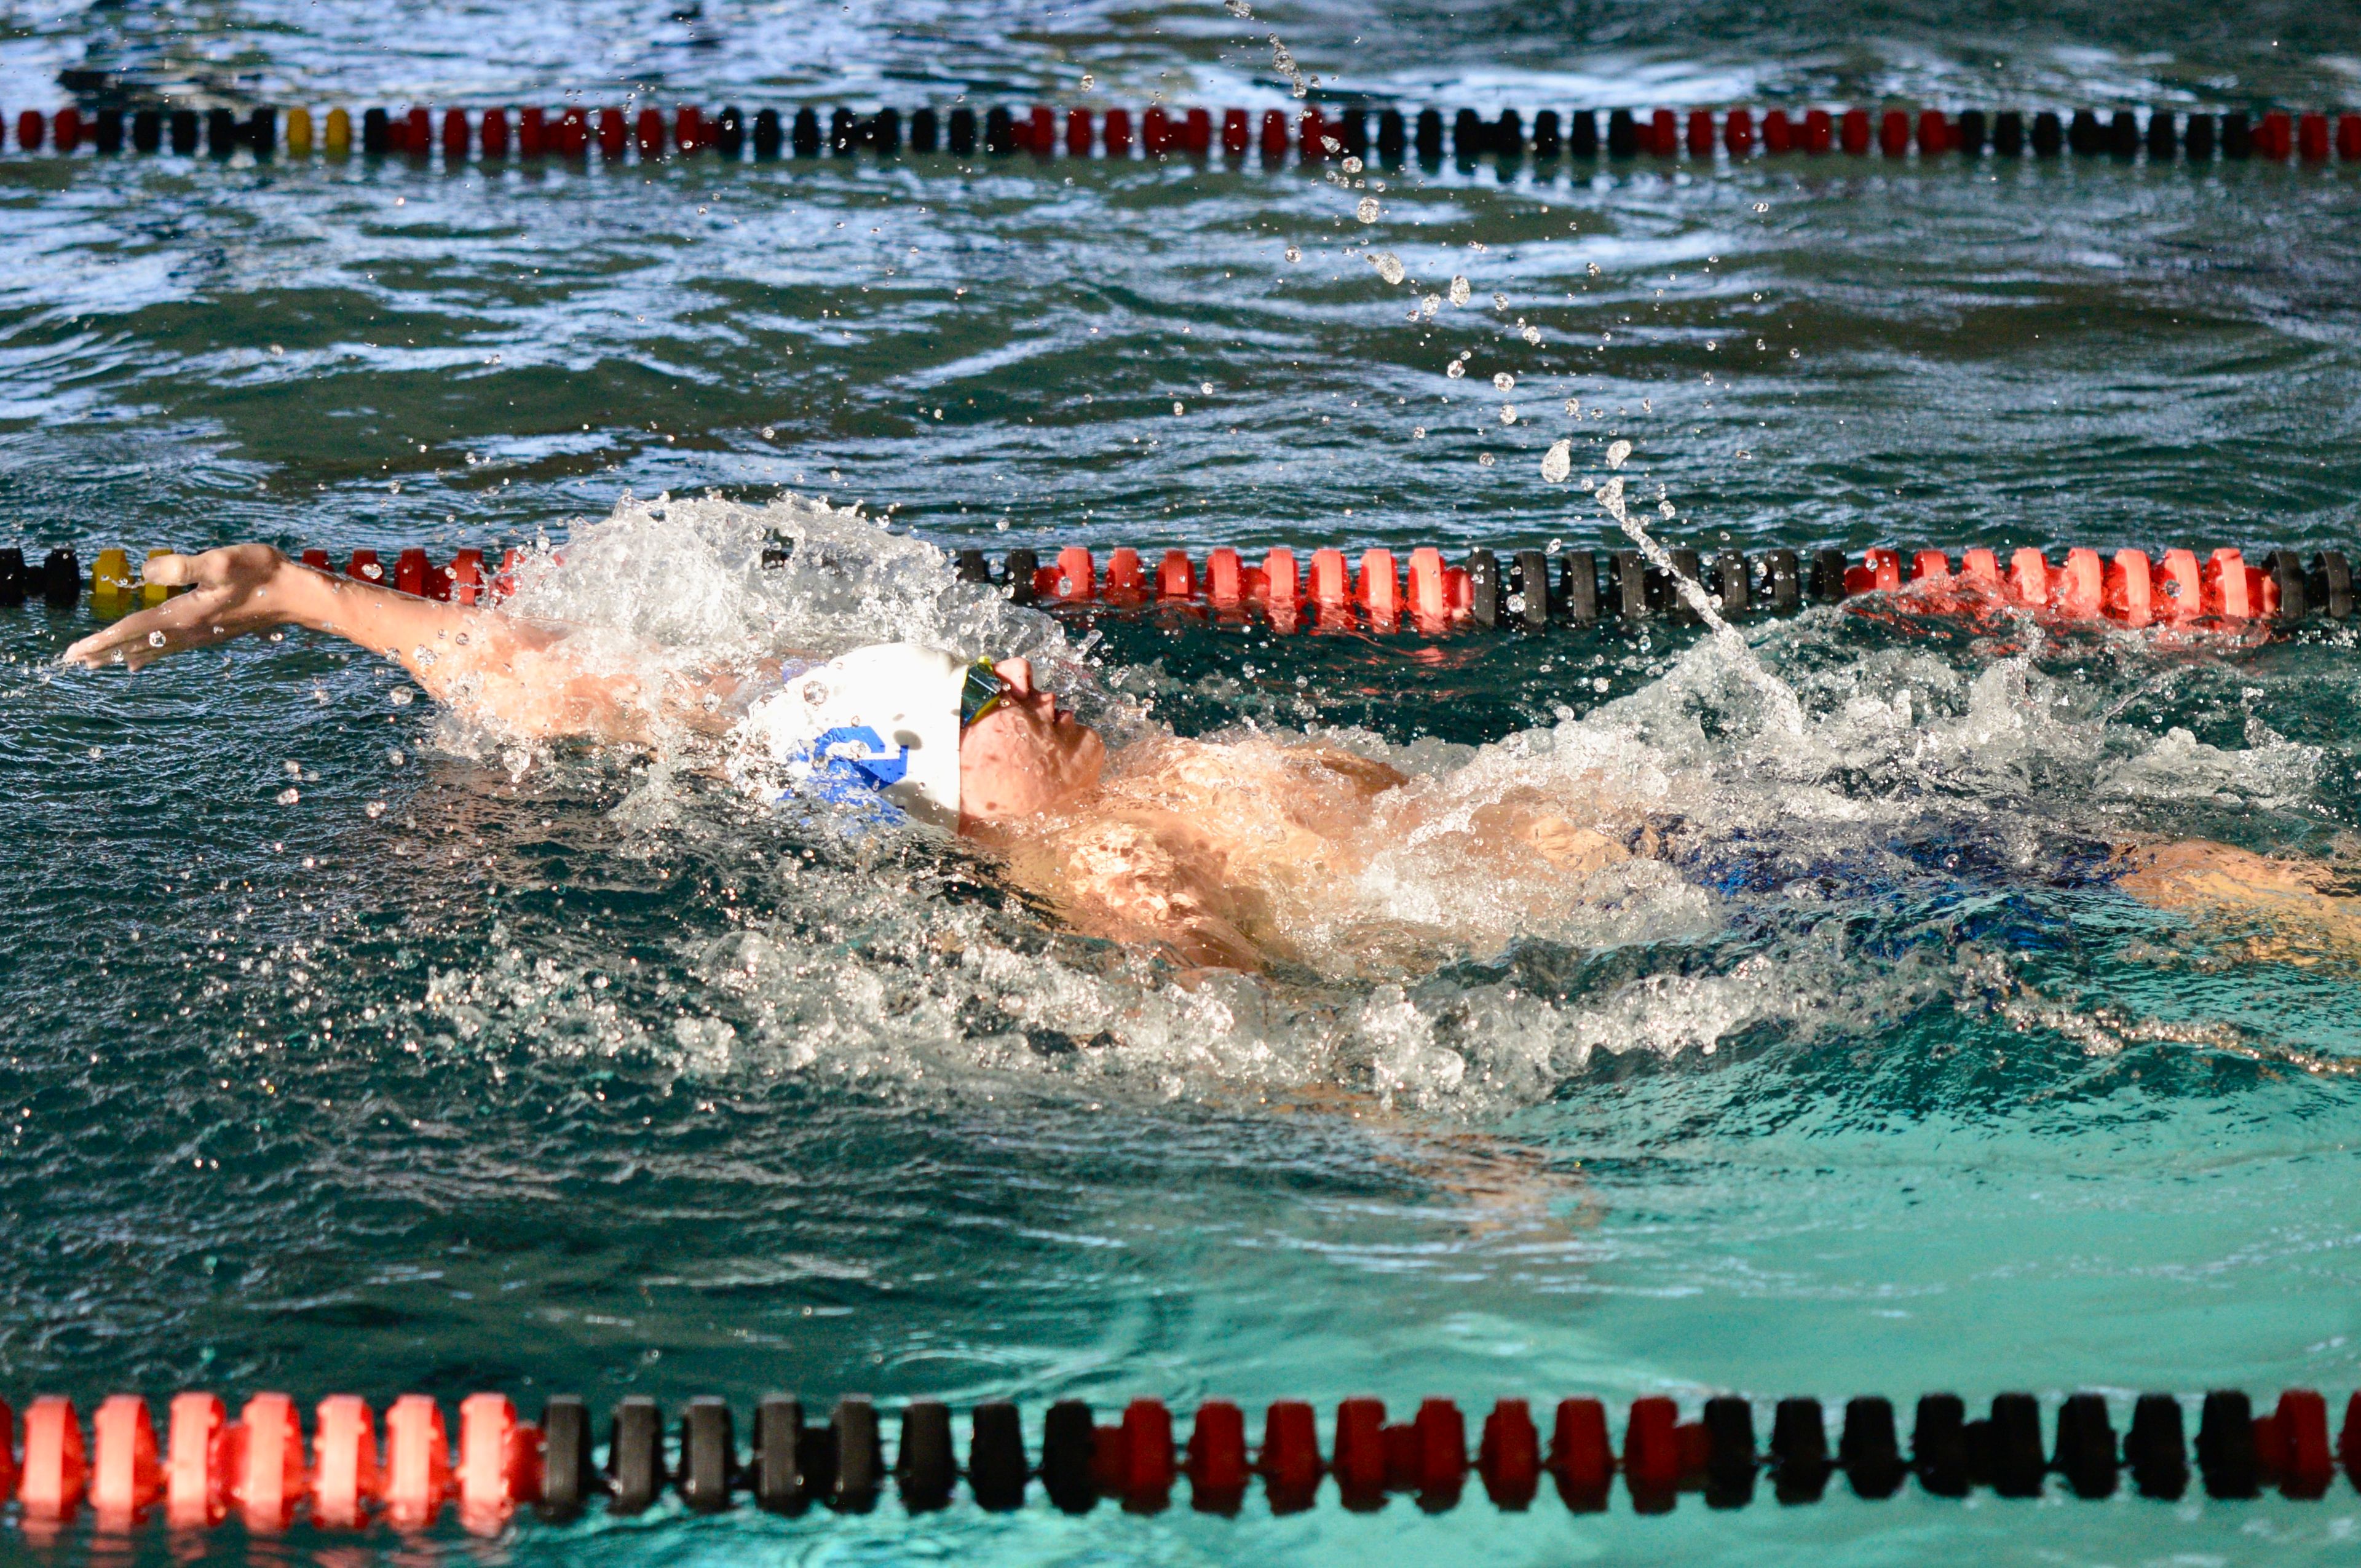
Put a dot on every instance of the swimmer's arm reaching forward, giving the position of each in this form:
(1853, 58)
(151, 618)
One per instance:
(521, 675)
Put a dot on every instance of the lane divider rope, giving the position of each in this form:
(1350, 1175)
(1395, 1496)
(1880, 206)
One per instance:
(1315, 134)
(202, 1466)
(1422, 592)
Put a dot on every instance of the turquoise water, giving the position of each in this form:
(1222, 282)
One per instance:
(541, 1072)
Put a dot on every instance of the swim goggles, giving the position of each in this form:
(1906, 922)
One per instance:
(981, 693)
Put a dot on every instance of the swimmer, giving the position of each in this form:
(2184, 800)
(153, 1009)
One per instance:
(1222, 855)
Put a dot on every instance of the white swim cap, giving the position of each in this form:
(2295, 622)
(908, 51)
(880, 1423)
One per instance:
(880, 720)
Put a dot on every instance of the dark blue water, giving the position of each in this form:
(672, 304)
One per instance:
(480, 1067)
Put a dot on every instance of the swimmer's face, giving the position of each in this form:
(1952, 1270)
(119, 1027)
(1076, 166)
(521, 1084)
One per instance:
(1027, 754)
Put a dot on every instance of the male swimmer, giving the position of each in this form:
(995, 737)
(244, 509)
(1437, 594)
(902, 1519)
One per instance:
(1221, 854)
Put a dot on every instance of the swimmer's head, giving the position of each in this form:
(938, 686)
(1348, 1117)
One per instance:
(950, 744)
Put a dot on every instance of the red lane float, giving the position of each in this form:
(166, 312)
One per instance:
(347, 1484)
(56, 1468)
(127, 1475)
(1581, 1459)
(1290, 1461)
(1216, 1458)
(196, 1487)
(1509, 1456)
(417, 1461)
(500, 1464)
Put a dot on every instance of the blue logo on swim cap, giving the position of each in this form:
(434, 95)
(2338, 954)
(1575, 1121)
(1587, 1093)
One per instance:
(848, 766)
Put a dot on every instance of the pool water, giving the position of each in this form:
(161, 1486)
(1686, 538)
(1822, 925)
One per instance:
(466, 1066)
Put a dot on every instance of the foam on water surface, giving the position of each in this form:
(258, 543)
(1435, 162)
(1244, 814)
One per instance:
(1757, 828)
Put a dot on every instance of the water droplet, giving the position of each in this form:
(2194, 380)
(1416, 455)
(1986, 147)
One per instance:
(400, 697)
(1502, 381)
(95, 753)
(423, 656)
(154, 639)
(1507, 413)
(1294, 253)
(1499, 302)
(397, 756)
(1089, 81)
(1176, 406)
(1353, 166)
(294, 769)
(373, 810)
(1367, 210)
(1664, 511)
(1616, 453)
(289, 797)
(1455, 369)
(1390, 265)
(1417, 433)
(1531, 334)
(1573, 408)
(1431, 303)
(1557, 461)
(1460, 292)
(1484, 459)
(1205, 389)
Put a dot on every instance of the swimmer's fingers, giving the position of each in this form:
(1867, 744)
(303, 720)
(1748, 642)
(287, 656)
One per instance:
(225, 594)
(140, 640)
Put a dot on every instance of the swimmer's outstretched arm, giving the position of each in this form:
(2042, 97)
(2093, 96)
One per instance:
(521, 675)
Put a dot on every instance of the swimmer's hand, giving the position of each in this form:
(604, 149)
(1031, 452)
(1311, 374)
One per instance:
(230, 592)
